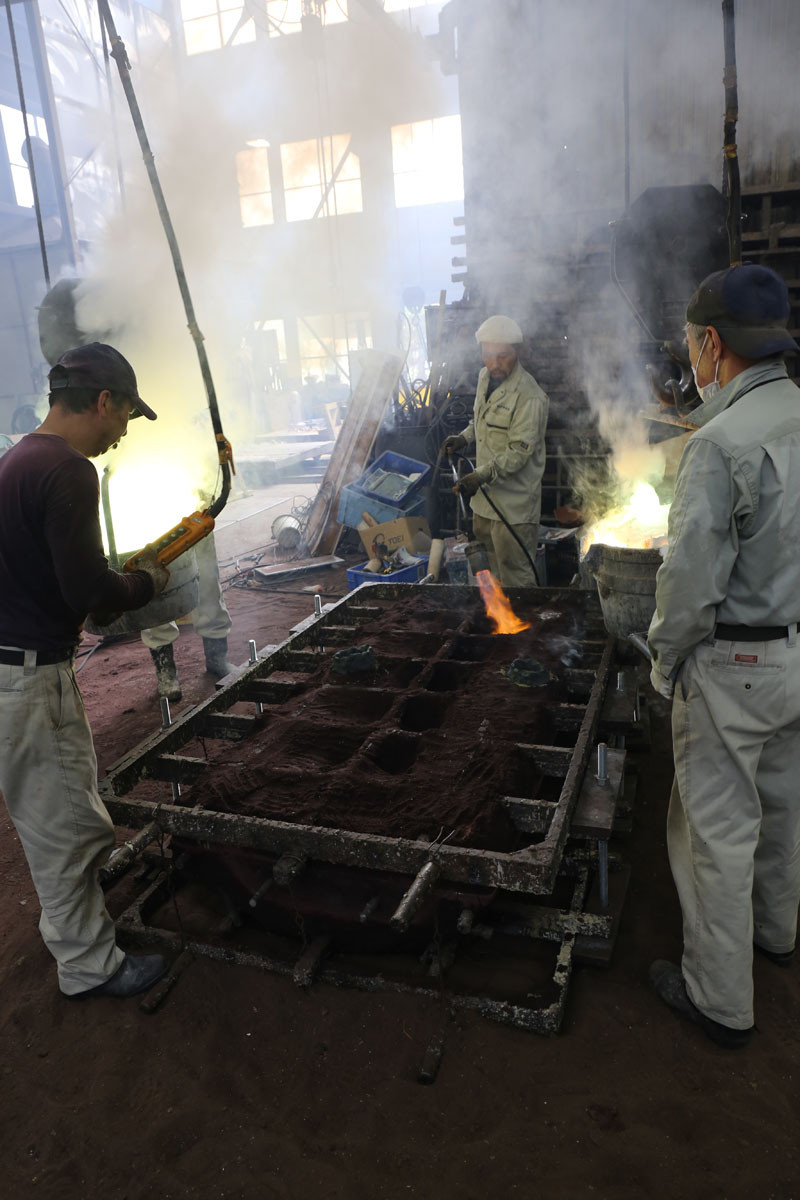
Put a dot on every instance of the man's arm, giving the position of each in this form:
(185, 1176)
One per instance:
(72, 529)
(709, 498)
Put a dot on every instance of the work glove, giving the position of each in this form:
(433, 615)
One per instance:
(149, 562)
(468, 484)
(453, 444)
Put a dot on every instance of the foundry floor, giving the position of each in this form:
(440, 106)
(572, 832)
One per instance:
(243, 1086)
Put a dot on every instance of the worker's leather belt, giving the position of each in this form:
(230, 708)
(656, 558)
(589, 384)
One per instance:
(751, 633)
(44, 658)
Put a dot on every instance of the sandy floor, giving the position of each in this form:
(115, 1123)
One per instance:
(244, 1086)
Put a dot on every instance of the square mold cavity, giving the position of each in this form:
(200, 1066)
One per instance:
(413, 644)
(480, 625)
(309, 744)
(398, 672)
(394, 753)
(449, 676)
(469, 648)
(344, 703)
(423, 711)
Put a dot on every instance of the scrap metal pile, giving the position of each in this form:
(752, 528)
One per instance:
(404, 801)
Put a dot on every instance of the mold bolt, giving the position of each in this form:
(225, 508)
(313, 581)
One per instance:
(251, 646)
(166, 721)
(602, 774)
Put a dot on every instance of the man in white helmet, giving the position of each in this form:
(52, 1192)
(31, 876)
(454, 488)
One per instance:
(508, 429)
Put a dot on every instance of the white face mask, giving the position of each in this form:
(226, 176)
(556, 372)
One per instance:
(712, 388)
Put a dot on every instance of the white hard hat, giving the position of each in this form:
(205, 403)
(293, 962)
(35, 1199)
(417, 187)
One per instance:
(499, 329)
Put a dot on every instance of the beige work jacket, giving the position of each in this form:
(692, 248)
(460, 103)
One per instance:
(508, 430)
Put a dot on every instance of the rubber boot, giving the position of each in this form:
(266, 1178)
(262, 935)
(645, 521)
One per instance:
(217, 663)
(166, 673)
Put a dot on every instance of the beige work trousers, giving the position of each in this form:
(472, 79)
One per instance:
(48, 776)
(733, 829)
(507, 560)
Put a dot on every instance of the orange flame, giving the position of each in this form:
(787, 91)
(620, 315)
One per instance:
(498, 606)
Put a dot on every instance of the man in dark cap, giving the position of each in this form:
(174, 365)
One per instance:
(53, 572)
(724, 641)
(59, 331)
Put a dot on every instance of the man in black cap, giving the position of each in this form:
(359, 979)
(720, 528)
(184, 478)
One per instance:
(59, 331)
(724, 641)
(52, 573)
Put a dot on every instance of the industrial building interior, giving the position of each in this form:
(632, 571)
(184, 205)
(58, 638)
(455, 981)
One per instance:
(406, 853)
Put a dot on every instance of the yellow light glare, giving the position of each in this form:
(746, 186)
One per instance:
(642, 522)
(147, 498)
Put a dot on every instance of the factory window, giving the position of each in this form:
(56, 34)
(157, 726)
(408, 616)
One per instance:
(321, 178)
(326, 343)
(14, 133)
(426, 156)
(212, 24)
(286, 16)
(255, 194)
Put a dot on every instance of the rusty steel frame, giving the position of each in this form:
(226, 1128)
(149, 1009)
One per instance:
(563, 926)
(533, 869)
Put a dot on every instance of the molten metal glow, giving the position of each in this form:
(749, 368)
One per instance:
(147, 498)
(498, 606)
(640, 524)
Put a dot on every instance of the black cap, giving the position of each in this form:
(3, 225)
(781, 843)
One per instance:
(748, 306)
(100, 366)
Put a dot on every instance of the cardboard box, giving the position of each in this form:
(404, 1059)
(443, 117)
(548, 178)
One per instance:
(401, 532)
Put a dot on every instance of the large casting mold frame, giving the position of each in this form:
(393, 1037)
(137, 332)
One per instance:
(531, 870)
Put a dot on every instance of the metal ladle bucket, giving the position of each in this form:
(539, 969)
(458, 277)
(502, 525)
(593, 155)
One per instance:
(626, 584)
(178, 598)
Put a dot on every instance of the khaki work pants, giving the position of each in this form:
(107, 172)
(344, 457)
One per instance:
(211, 617)
(48, 776)
(507, 561)
(733, 829)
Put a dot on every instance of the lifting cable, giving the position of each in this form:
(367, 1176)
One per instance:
(732, 182)
(225, 454)
(31, 167)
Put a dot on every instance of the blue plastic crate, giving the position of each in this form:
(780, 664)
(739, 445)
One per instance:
(357, 575)
(399, 464)
(352, 503)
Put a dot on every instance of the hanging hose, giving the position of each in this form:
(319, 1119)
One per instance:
(513, 533)
(504, 519)
(225, 454)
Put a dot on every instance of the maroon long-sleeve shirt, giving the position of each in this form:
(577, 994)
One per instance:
(53, 570)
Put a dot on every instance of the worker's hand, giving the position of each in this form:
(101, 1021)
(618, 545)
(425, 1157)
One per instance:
(451, 445)
(468, 484)
(159, 575)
